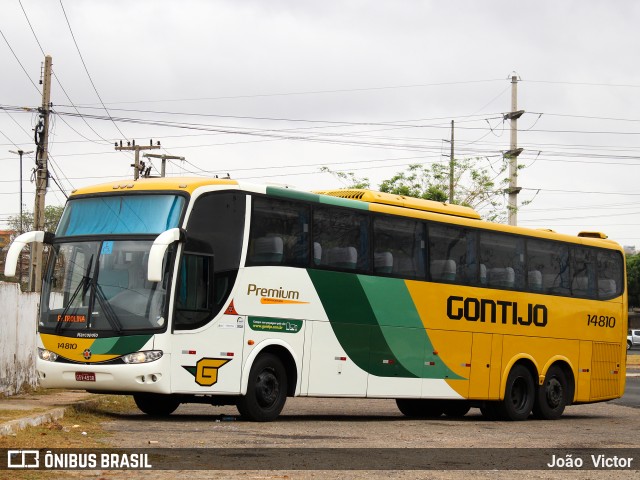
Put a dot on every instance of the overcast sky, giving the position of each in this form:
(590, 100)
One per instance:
(271, 90)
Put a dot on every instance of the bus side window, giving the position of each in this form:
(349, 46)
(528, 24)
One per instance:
(609, 274)
(452, 254)
(214, 230)
(398, 247)
(342, 237)
(503, 258)
(547, 267)
(279, 233)
(583, 274)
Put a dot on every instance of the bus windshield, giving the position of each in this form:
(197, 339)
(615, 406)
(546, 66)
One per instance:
(101, 286)
(120, 214)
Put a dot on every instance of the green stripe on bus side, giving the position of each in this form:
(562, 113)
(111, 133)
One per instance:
(355, 324)
(315, 198)
(377, 324)
(119, 345)
(402, 327)
(343, 202)
(293, 194)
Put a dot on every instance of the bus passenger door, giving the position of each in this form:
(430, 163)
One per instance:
(207, 347)
(481, 366)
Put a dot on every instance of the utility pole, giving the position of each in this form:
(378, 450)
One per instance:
(164, 160)
(20, 153)
(513, 153)
(451, 164)
(137, 167)
(42, 176)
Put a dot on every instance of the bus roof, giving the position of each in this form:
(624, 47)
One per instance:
(354, 198)
(187, 184)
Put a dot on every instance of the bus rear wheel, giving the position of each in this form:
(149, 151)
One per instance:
(155, 404)
(417, 408)
(519, 395)
(551, 398)
(266, 390)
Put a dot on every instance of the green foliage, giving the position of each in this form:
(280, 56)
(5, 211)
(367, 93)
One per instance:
(349, 179)
(475, 184)
(633, 280)
(52, 216)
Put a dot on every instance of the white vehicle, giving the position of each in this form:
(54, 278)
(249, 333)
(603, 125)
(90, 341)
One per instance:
(633, 339)
(195, 290)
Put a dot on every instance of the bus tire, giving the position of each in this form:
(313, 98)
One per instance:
(266, 390)
(519, 395)
(490, 410)
(418, 408)
(155, 404)
(551, 398)
(456, 408)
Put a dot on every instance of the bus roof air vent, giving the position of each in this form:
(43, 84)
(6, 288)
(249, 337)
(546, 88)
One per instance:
(593, 235)
(382, 198)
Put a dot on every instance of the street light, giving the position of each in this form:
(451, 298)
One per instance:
(21, 152)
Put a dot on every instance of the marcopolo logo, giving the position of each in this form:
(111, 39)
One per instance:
(274, 296)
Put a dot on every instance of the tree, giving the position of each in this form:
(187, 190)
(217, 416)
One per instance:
(476, 184)
(52, 216)
(633, 280)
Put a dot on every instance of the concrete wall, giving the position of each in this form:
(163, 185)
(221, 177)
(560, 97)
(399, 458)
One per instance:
(18, 317)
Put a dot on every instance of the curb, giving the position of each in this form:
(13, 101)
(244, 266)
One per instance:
(12, 427)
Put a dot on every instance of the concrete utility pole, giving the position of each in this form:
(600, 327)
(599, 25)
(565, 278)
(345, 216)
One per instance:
(513, 153)
(136, 148)
(164, 160)
(42, 176)
(21, 153)
(451, 164)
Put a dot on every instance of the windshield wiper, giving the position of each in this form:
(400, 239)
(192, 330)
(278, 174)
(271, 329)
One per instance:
(82, 285)
(97, 292)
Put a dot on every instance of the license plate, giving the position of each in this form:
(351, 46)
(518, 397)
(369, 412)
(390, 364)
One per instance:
(85, 377)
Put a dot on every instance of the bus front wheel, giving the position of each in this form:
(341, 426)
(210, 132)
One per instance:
(551, 397)
(266, 390)
(155, 404)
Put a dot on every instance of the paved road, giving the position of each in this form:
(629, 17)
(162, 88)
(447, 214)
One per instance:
(631, 397)
(339, 423)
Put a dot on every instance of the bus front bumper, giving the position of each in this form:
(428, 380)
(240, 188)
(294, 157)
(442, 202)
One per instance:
(151, 377)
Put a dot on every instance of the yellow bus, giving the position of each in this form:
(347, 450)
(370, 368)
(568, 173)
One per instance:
(214, 291)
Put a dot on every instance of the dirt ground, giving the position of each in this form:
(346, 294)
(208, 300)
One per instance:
(307, 426)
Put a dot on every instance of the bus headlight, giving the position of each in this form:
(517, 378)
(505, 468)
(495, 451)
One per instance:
(47, 355)
(142, 357)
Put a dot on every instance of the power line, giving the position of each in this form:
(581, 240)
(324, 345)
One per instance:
(59, 82)
(587, 84)
(87, 70)
(582, 191)
(19, 62)
(312, 92)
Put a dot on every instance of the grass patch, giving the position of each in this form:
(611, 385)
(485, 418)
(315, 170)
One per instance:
(81, 426)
